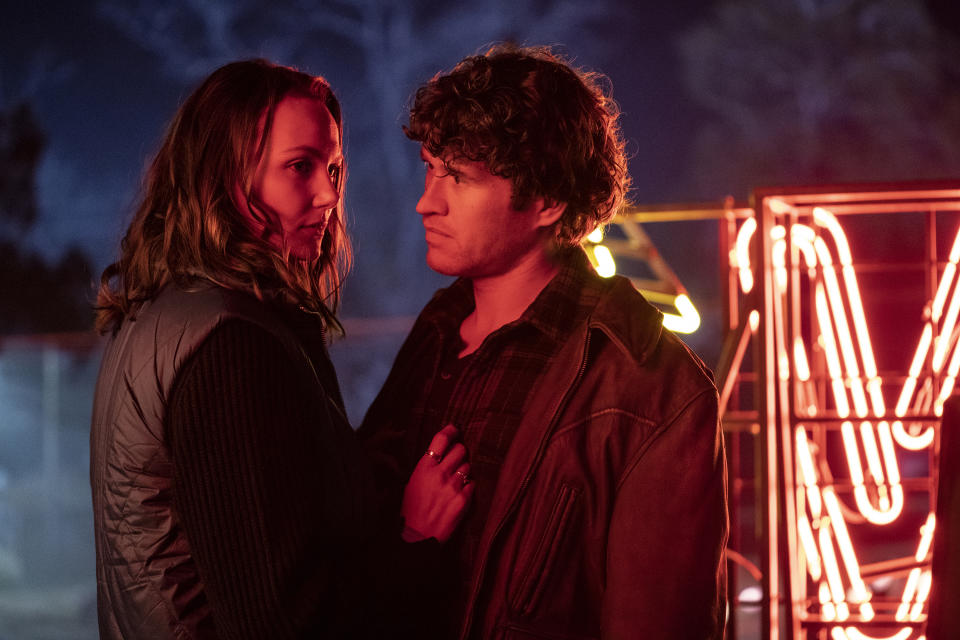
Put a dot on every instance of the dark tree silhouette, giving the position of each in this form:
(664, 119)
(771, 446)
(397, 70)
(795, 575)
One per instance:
(21, 145)
(814, 91)
(35, 297)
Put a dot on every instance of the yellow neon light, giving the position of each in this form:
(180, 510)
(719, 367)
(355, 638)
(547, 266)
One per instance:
(689, 319)
(596, 236)
(606, 267)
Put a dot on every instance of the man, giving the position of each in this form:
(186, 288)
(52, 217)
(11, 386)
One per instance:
(600, 501)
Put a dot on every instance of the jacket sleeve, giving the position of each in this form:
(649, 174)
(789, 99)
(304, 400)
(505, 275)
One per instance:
(250, 490)
(664, 562)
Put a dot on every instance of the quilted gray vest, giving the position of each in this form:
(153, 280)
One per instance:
(147, 583)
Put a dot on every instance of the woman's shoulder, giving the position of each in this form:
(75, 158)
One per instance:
(178, 321)
(205, 300)
(197, 311)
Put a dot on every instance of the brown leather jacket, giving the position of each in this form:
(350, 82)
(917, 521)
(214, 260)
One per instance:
(609, 519)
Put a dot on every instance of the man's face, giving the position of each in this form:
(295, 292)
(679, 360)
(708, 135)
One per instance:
(471, 228)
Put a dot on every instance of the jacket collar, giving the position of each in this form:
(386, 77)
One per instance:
(574, 296)
(632, 323)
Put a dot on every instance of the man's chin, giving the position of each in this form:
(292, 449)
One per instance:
(443, 267)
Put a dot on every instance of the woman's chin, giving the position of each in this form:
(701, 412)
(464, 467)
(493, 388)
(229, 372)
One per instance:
(305, 252)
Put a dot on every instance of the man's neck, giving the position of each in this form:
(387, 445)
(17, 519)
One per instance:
(503, 298)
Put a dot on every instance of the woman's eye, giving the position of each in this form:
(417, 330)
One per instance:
(301, 166)
(334, 172)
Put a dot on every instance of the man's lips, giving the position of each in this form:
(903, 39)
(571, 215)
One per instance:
(435, 231)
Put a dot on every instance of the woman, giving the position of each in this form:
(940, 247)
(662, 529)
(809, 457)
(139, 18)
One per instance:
(228, 491)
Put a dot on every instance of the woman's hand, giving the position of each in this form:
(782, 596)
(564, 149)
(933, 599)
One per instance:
(436, 497)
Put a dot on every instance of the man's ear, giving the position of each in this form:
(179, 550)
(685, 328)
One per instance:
(549, 213)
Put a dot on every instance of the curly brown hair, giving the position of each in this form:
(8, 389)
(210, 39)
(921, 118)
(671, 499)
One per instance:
(534, 119)
(187, 229)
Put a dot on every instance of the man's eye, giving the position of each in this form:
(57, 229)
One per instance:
(447, 172)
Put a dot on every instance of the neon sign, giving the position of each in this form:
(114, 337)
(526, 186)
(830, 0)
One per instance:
(809, 251)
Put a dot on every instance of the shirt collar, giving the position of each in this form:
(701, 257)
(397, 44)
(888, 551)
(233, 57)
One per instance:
(566, 300)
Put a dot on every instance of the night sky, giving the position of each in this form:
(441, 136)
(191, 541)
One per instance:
(103, 101)
(103, 95)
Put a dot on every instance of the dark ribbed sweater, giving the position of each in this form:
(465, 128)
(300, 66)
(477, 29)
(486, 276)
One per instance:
(256, 487)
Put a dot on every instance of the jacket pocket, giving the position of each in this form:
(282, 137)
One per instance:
(535, 579)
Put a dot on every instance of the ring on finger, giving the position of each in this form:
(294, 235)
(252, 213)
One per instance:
(436, 456)
(464, 478)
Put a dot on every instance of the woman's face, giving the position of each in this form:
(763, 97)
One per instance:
(297, 183)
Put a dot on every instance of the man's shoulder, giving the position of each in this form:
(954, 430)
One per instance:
(645, 348)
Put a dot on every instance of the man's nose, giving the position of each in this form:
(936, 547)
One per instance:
(430, 203)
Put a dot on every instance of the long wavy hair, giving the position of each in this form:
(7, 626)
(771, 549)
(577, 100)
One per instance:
(187, 229)
(534, 119)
